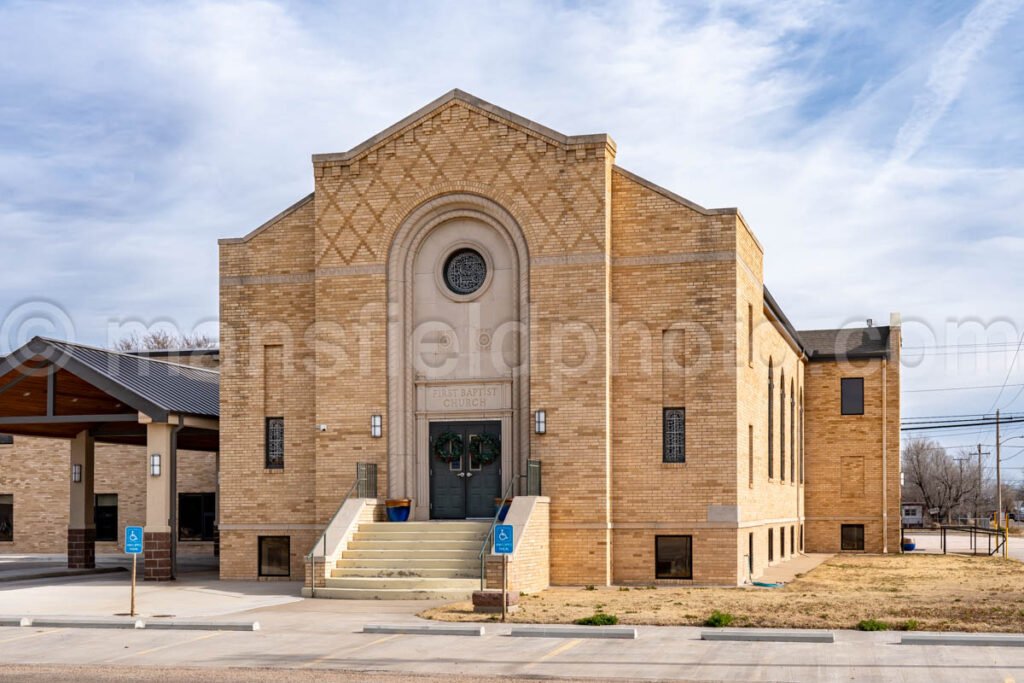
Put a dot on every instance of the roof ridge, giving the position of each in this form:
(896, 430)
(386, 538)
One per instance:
(128, 355)
(485, 107)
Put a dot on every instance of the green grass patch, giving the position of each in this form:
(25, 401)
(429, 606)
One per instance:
(599, 619)
(719, 619)
(872, 625)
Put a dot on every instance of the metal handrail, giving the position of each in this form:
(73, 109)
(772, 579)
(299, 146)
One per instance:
(494, 523)
(323, 537)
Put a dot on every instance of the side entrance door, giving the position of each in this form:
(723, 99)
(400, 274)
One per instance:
(465, 469)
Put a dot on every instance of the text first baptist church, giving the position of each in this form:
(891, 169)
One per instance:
(470, 304)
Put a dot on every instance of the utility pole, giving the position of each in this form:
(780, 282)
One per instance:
(998, 478)
(999, 486)
(978, 494)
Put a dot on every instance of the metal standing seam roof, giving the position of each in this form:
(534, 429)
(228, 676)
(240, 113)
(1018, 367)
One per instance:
(171, 387)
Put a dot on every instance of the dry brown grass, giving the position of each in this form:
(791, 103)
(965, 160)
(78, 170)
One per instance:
(941, 593)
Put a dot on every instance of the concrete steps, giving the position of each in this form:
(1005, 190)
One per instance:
(409, 561)
(406, 583)
(391, 594)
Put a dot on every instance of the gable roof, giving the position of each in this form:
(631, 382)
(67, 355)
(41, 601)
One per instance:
(154, 387)
(846, 343)
(483, 106)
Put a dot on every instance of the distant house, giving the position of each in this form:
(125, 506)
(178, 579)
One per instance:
(913, 514)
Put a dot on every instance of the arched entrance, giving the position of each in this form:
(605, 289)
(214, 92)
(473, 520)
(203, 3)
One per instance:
(458, 356)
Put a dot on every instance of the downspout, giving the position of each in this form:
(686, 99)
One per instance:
(174, 496)
(885, 466)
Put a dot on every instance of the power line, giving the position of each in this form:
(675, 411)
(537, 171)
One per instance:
(955, 426)
(987, 386)
(1008, 371)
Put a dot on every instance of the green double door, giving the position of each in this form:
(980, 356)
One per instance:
(465, 469)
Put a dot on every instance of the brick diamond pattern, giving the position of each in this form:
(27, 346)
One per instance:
(558, 194)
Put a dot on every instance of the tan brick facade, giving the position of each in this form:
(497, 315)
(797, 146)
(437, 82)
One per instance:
(851, 479)
(634, 300)
(36, 472)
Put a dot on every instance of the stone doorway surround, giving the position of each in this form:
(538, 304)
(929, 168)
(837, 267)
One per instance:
(447, 402)
(415, 401)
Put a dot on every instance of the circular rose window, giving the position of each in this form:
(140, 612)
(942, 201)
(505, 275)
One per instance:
(465, 271)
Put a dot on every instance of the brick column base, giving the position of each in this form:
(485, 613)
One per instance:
(157, 555)
(81, 548)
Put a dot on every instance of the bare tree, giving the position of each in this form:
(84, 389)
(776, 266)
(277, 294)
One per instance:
(162, 340)
(943, 483)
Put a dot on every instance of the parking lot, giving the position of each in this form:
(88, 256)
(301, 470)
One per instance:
(323, 635)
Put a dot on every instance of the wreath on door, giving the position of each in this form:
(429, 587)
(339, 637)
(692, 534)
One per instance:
(448, 447)
(484, 449)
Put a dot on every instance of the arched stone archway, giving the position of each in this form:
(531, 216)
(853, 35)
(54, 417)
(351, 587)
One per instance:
(454, 355)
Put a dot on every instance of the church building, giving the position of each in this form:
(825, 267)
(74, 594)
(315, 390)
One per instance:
(471, 307)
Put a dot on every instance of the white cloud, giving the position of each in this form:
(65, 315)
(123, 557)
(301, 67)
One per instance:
(135, 135)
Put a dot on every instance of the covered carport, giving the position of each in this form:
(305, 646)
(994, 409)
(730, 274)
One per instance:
(88, 395)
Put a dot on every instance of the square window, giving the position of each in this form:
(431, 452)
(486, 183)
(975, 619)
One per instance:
(673, 557)
(274, 444)
(852, 537)
(6, 517)
(673, 442)
(852, 399)
(6, 440)
(275, 555)
(104, 513)
(197, 513)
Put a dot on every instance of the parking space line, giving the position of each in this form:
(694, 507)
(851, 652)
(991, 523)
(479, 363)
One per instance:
(564, 647)
(331, 655)
(31, 635)
(163, 647)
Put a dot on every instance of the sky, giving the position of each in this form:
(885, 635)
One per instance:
(876, 149)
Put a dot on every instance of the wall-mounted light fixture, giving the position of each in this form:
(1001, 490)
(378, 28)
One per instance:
(540, 422)
(154, 464)
(375, 426)
(76, 474)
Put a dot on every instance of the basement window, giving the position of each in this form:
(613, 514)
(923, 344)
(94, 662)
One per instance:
(104, 512)
(852, 537)
(6, 440)
(196, 515)
(7, 517)
(673, 557)
(275, 552)
(274, 459)
(852, 395)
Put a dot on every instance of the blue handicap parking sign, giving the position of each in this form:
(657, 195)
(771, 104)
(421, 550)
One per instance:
(133, 540)
(503, 535)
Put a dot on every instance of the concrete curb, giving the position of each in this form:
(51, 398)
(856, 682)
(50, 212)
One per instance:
(202, 625)
(969, 639)
(584, 632)
(68, 622)
(770, 636)
(60, 573)
(431, 630)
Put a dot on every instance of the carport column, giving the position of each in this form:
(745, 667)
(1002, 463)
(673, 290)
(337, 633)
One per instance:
(81, 524)
(157, 536)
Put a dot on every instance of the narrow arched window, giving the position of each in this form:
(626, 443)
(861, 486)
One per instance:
(792, 432)
(802, 444)
(782, 425)
(771, 419)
